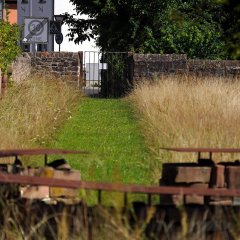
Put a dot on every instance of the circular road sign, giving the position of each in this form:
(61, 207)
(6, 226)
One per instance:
(59, 38)
(35, 27)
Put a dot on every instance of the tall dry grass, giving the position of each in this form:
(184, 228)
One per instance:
(31, 111)
(188, 112)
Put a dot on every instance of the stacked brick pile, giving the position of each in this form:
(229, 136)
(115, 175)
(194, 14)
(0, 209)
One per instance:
(223, 175)
(58, 169)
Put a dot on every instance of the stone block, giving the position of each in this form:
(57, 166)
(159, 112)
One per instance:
(195, 199)
(36, 192)
(215, 200)
(233, 176)
(223, 202)
(65, 192)
(175, 173)
(218, 177)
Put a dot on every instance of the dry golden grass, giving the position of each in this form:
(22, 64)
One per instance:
(188, 112)
(31, 111)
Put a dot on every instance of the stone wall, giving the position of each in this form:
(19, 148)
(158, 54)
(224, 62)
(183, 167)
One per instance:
(67, 65)
(226, 68)
(140, 66)
(63, 64)
(21, 68)
(148, 66)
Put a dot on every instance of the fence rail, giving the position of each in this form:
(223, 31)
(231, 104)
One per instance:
(115, 187)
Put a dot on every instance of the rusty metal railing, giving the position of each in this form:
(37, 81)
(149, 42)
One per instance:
(39, 151)
(210, 151)
(115, 187)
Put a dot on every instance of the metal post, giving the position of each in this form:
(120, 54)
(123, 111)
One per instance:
(32, 45)
(199, 155)
(45, 160)
(99, 197)
(149, 200)
(125, 199)
(59, 47)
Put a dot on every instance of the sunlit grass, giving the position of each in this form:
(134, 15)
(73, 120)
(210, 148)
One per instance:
(108, 129)
(188, 112)
(31, 111)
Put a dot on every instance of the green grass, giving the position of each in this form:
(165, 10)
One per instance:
(108, 129)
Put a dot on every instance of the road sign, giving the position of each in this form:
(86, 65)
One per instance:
(60, 18)
(35, 30)
(55, 27)
(59, 38)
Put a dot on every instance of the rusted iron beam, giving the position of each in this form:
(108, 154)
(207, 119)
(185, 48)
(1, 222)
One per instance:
(125, 188)
(207, 150)
(29, 152)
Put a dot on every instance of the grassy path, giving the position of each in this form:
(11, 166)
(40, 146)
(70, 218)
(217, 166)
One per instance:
(108, 129)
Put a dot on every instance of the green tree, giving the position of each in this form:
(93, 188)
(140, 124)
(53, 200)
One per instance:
(231, 27)
(157, 26)
(9, 37)
(192, 27)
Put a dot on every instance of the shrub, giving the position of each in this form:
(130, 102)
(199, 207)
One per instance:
(9, 37)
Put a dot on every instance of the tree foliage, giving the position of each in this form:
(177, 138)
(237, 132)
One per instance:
(232, 27)
(200, 28)
(9, 49)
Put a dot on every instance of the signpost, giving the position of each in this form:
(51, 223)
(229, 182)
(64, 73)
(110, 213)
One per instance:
(59, 39)
(55, 27)
(35, 30)
(36, 9)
